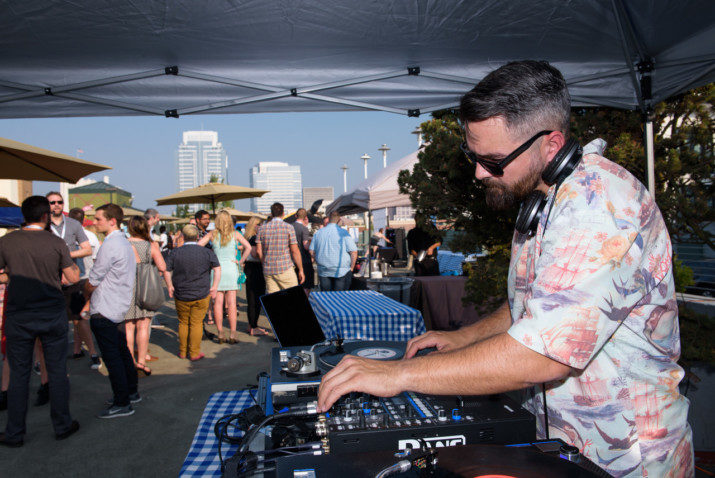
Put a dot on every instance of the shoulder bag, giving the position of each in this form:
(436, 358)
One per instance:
(149, 292)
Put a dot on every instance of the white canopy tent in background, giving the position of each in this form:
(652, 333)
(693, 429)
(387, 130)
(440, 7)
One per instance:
(376, 192)
(179, 57)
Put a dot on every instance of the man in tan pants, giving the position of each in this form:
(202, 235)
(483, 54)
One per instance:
(191, 267)
(277, 247)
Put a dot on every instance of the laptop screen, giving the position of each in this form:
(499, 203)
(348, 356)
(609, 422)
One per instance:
(292, 318)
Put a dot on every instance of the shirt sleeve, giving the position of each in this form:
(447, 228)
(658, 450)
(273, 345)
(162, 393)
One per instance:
(65, 259)
(291, 236)
(578, 297)
(102, 265)
(169, 259)
(213, 259)
(350, 245)
(2, 257)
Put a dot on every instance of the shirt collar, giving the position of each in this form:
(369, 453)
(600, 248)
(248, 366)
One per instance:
(190, 243)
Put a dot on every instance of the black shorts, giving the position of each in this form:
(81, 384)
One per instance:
(74, 299)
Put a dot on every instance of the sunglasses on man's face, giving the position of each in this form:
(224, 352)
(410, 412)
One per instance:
(495, 167)
(52, 203)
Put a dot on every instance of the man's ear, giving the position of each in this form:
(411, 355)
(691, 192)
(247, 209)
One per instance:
(552, 144)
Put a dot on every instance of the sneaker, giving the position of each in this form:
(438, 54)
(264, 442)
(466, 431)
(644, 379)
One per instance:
(73, 429)
(10, 444)
(116, 412)
(133, 399)
(79, 355)
(43, 395)
(96, 363)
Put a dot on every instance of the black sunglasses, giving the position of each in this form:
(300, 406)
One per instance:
(496, 167)
(56, 202)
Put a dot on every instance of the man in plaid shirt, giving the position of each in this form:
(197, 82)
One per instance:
(277, 247)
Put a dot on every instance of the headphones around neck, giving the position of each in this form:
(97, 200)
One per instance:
(556, 171)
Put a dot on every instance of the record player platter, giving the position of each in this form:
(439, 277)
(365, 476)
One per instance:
(470, 461)
(377, 350)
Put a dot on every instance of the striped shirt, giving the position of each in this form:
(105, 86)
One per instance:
(275, 238)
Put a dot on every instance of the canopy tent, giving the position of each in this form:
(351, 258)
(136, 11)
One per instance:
(119, 57)
(376, 192)
(11, 217)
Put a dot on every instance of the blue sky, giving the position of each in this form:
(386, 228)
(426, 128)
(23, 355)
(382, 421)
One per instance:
(141, 149)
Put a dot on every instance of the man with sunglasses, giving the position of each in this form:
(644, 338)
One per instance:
(590, 328)
(72, 232)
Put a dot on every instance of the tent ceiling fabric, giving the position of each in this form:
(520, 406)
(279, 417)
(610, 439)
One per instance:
(110, 57)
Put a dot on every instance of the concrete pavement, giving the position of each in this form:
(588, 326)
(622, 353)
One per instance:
(153, 441)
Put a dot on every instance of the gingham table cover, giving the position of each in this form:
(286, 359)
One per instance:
(450, 262)
(365, 315)
(202, 459)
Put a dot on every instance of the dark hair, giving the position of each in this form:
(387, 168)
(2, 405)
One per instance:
(112, 211)
(77, 214)
(139, 227)
(334, 217)
(34, 207)
(162, 229)
(54, 193)
(200, 213)
(276, 209)
(530, 96)
(301, 214)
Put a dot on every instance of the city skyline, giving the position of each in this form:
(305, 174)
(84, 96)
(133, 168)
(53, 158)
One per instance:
(141, 150)
(200, 157)
(283, 182)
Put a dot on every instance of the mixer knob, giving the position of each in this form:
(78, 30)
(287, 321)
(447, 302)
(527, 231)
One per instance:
(441, 415)
(374, 411)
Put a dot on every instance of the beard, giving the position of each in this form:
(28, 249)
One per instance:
(501, 196)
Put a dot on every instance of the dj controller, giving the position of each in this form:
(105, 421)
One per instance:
(367, 430)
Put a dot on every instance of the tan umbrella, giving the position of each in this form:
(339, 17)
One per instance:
(6, 202)
(22, 161)
(242, 215)
(130, 211)
(211, 193)
(183, 220)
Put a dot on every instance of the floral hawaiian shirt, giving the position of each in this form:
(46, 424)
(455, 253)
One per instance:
(593, 289)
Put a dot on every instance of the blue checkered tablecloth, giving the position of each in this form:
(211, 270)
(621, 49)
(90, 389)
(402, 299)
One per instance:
(202, 459)
(450, 263)
(365, 315)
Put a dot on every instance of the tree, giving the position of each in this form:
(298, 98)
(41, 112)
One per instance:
(684, 133)
(442, 184)
(182, 210)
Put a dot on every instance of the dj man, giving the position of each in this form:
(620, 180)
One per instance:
(591, 315)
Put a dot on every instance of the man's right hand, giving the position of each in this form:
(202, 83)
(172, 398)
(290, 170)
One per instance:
(213, 292)
(301, 276)
(442, 340)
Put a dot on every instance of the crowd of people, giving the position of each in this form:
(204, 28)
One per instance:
(56, 270)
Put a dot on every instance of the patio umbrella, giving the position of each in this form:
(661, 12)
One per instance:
(211, 193)
(22, 161)
(242, 215)
(4, 202)
(130, 211)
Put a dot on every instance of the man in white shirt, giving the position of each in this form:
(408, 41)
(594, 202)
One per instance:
(110, 287)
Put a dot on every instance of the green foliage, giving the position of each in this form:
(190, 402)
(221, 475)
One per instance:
(223, 204)
(697, 336)
(182, 210)
(487, 281)
(682, 274)
(684, 132)
(442, 185)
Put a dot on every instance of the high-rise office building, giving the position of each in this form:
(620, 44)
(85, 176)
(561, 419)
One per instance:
(282, 180)
(310, 195)
(200, 156)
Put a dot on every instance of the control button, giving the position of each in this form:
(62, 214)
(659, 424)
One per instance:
(569, 453)
(441, 415)
(456, 415)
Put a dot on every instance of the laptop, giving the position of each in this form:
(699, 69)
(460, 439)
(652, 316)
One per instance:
(292, 318)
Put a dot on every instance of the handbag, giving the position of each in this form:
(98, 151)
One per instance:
(241, 274)
(149, 292)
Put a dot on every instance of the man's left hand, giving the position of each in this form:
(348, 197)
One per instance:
(357, 374)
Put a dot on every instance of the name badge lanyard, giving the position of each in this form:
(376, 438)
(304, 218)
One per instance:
(62, 235)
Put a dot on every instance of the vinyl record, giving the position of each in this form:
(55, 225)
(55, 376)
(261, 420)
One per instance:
(372, 349)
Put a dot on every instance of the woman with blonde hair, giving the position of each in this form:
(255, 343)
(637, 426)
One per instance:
(225, 241)
(137, 320)
(255, 282)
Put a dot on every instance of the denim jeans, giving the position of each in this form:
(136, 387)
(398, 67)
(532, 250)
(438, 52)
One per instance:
(335, 283)
(112, 344)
